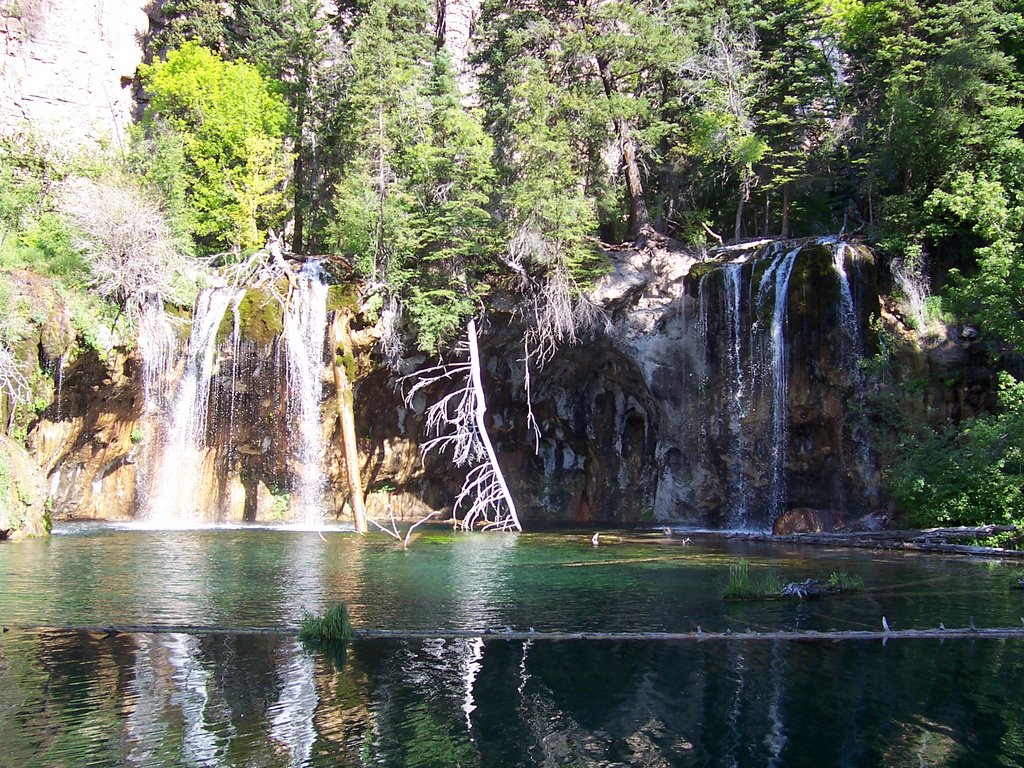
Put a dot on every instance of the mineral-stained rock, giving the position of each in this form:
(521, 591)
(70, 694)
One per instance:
(24, 502)
(804, 520)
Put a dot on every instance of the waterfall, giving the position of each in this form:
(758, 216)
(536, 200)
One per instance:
(305, 328)
(175, 495)
(158, 347)
(737, 399)
(777, 278)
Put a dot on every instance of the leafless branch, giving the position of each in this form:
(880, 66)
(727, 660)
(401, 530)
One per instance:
(130, 247)
(12, 382)
(457, 422)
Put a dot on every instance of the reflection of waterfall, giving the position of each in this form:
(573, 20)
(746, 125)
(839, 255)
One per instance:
(291, 722)
(189, 695)
(305, 327)
(175, 495)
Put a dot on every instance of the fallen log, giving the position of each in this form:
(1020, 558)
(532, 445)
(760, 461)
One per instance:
(509, 634)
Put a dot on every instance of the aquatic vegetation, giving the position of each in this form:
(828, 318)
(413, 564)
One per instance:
(741, 586)
(841, 581)
(333, 627)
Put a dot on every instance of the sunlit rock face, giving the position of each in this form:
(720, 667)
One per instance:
(723, 393)
(720, 394)
(66, 67)
(24, 510)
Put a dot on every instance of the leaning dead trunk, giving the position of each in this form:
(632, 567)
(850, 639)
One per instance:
(343, 359)
(480, 414)
(458, 421)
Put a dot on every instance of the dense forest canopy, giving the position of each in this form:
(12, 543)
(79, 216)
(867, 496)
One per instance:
(441, 174)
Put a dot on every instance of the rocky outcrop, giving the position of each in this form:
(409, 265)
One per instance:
(24, 503)
(67, 67)
(722, 393)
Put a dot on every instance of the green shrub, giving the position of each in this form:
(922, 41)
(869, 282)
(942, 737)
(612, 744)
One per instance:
(841, 581)
(973, 475)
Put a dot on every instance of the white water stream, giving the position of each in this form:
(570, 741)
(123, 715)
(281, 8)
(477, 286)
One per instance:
(305, 328)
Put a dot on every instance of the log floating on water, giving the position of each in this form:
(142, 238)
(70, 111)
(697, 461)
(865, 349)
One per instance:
(698, 635)
(937, 540)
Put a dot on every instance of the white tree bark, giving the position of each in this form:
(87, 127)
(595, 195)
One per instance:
(458, 421)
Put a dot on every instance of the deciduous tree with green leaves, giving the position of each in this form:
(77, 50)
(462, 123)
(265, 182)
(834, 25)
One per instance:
(231, 125)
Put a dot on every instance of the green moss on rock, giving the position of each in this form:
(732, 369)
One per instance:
(343, 297)
(261, 317)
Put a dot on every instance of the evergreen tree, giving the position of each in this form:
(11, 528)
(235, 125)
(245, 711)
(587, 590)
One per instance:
(796, 94)
(413, 199)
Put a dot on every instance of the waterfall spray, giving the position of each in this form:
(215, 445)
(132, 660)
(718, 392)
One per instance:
(305, 328)
(174, 497)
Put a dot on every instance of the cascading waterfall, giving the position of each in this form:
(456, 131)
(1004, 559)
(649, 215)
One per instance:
(738, 405)
(305, 328)
(158, 346)
(779, 273)
(743, 322)
(175, 495)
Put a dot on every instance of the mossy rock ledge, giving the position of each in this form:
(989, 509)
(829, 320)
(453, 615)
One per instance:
(24, 500)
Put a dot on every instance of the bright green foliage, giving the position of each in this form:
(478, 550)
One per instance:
(231, 126)
(796, 98)
(291, 42)
(970, 476)
(546, 195)
(412, 203)
(33, 234)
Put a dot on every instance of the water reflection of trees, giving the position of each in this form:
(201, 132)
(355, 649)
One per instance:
(253, 700)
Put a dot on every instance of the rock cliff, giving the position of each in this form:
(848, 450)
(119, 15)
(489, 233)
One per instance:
(66, 67)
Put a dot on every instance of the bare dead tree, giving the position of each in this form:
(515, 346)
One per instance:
(127, 240)
(457, 422)
(13, 383)
(391, 529)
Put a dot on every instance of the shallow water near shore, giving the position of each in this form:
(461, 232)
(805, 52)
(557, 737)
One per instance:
(74, 698)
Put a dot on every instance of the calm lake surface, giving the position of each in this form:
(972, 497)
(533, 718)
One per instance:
(72, 698)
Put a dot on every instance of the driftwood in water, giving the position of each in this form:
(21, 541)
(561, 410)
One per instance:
(940, 540)
(699, 635)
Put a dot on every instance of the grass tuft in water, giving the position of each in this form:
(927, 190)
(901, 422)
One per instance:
(742, 587)
(841, 581)
(333, 627)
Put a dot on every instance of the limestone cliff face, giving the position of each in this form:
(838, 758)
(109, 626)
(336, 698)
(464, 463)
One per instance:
(66, 67)
(721, 394)
(455, 21)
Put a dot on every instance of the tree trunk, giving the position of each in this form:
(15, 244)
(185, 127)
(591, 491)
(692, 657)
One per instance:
(639, 218)
(342, 345)
(480, 412)
(785, 212)
(739, 218)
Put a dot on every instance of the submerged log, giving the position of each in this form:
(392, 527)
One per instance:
(938, 540)
(509, 634)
